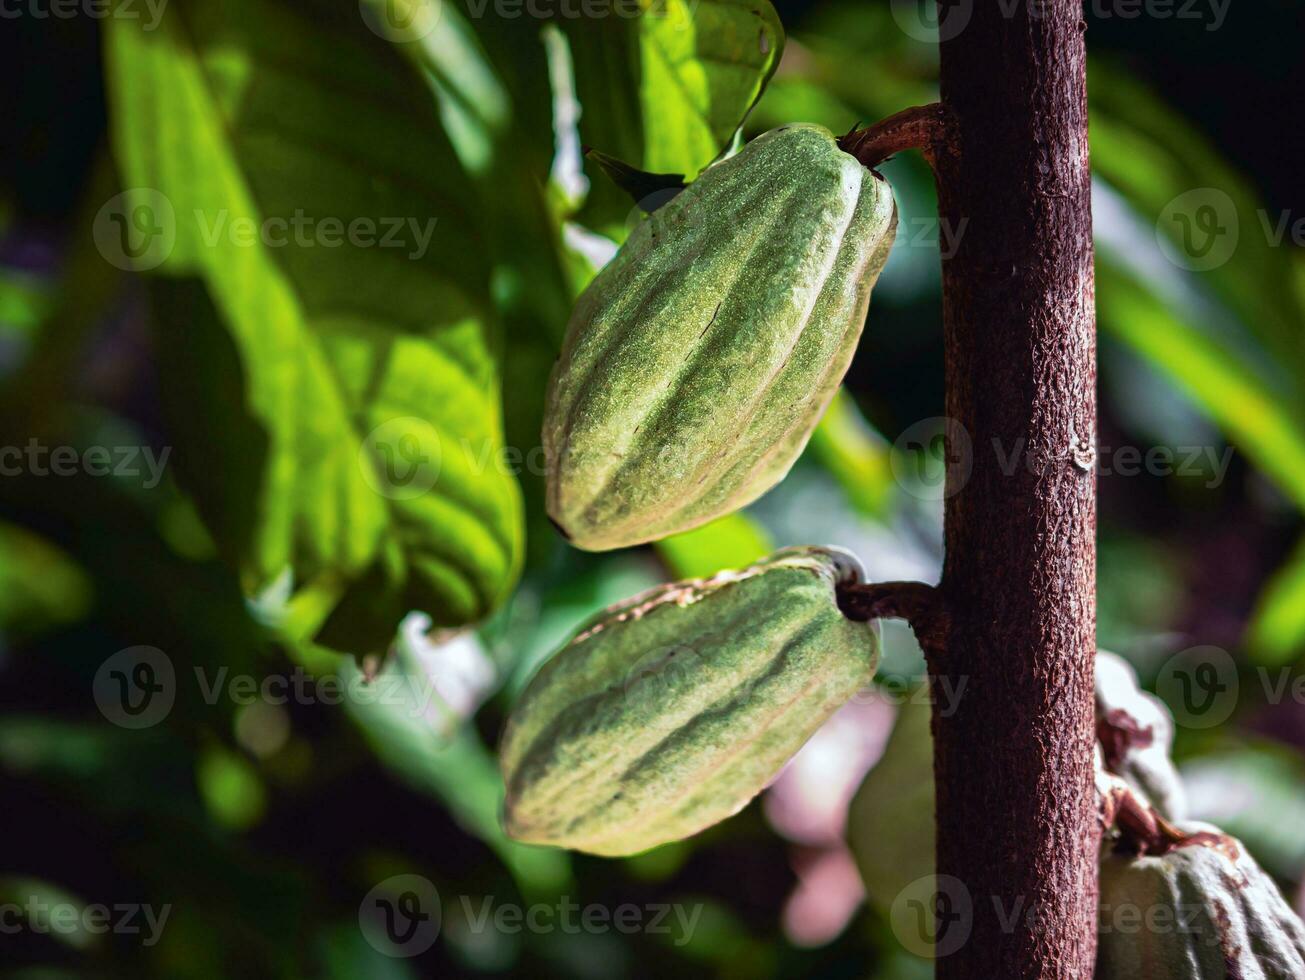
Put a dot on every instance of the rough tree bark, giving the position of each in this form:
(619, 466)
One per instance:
(1013, 763)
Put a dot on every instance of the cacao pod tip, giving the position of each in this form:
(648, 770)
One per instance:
(566, 535)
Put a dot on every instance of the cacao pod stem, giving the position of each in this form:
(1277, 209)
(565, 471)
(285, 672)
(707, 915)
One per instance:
(926, 128)
(919, 604)
(1141, 829)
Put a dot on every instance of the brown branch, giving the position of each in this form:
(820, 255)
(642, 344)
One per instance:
(926, 128)
(1013, 762)
(919, 604)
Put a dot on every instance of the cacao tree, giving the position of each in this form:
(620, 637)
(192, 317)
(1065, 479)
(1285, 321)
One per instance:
(403, 404)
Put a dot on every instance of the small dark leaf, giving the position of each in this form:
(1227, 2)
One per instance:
(650, 191)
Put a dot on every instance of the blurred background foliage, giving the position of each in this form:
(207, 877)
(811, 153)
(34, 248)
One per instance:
(268, 382)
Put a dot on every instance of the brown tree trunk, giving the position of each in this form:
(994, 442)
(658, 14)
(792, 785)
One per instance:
(1014, 759)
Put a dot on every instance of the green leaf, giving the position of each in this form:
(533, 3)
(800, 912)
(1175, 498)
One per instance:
(1253, 791)
(704, 65)
(1157, 160)
(40, 585)
(1277, 631)
(230, 787)
(668, 90)
(890, 821)
(732, 541)
(286, 141)
(856, 456)
(639, 184)
(1217, 378)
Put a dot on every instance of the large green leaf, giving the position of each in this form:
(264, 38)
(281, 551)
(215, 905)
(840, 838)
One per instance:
(369, 368)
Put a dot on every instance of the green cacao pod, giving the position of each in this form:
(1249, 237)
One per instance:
(1136, 733)
(668, 712)
(1203, 910)
(699, 360)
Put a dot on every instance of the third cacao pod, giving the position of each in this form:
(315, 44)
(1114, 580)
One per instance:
(670, 711)
(699, 360)
(1203, 910)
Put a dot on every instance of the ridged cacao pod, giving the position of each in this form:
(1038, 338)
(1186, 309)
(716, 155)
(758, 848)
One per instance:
(668, 712)
(699, 360)
(1203, 910)
(1136, 734)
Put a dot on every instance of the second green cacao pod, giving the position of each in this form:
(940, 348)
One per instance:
(669, 712)
(1203, 910)
(699, 360)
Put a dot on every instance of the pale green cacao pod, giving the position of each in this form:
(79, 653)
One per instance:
(670, 711)
(1201, 911)
(699, 360)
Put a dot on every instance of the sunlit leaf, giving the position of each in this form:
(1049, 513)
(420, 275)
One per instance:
(281, 143)
(732, 541)
(408, 735)
(666, 91)
(230, 787)
(856, 455)
(1277, 632)
(1215, 377)
(1159, 161)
